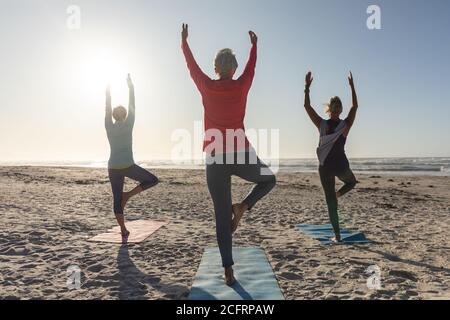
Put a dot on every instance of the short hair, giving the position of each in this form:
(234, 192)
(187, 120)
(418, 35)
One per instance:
(334, 106)
(119, 113)
(225, 62)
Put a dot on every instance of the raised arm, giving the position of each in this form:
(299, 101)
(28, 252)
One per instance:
(108, 108)
(131, 102)
(249, 71)
(196, 73)
(352, 113)
(315, 118)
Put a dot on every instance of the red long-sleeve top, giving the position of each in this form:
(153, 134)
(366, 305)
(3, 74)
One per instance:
(224, 104)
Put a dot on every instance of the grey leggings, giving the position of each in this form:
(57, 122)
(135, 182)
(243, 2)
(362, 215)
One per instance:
(218, 177)
(117, 179)
(327, 179)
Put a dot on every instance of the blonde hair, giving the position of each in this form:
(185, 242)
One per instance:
(225, 62)
(119, 113)
(334, 106)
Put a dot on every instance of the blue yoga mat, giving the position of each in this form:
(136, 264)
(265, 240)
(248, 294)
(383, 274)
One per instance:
(324, 232)
(254, 277)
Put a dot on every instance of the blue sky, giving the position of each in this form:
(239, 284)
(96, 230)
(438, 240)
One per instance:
(50, 110)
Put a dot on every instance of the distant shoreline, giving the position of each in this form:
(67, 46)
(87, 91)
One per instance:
(384, 173)
(420, 166)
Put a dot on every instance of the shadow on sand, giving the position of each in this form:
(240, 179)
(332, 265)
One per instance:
(200, 294)
(396, 258)
(135, 285)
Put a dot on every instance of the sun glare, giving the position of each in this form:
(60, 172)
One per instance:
(102, 67)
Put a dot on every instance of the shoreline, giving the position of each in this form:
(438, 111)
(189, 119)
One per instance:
(368, 173)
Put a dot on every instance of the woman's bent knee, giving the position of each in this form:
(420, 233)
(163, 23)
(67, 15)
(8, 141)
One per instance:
(351, 185)
(149, 183)
(273, 181)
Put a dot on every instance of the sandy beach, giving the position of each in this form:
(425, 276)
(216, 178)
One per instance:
(48, 214)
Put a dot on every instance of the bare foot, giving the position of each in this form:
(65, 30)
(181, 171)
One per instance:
(336, 239)
(125, 236)
(125, 198)
(238, 212)
(229, 276)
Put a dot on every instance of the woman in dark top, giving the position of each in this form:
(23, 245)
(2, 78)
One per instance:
(332, 157)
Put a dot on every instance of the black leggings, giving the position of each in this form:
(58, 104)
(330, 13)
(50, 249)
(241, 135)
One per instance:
(327, 179)
(117, 179)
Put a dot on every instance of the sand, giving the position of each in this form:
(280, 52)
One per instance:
(47, 214)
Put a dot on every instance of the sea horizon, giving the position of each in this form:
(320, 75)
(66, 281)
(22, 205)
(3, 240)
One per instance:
(436, 166)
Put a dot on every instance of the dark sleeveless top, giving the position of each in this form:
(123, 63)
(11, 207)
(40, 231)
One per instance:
(336, 161)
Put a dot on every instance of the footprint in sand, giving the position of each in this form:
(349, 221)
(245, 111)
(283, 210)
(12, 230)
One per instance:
(403, 274)
(394, 280)
(328, 282)
(95, 268)
(11, 298)
(28, 266)
(290, 276)
(411, 293)
(17, 252)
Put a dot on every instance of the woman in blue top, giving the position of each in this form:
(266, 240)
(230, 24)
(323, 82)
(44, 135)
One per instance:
(121, 163)
(331, 151)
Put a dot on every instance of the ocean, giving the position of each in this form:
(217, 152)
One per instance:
(403, 166)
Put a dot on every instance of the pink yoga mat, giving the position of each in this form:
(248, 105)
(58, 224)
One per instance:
(139, 231)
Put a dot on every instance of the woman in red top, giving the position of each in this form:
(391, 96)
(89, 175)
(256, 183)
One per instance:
(227, 148)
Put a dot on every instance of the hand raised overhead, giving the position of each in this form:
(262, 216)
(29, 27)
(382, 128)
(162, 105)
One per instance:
(253, 37)
(308, 79)
(184, 31)
(350, 79)
(129, 82)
